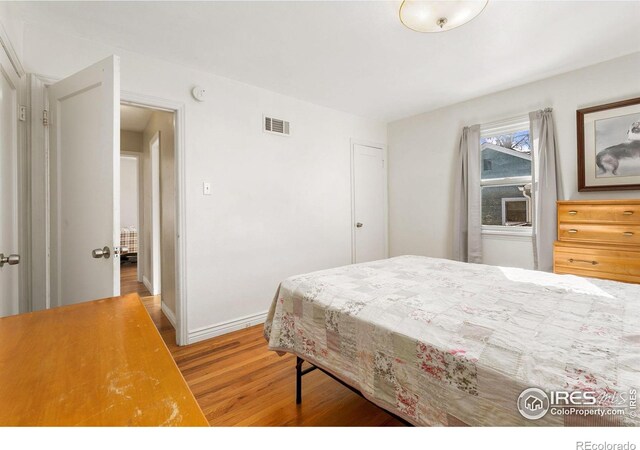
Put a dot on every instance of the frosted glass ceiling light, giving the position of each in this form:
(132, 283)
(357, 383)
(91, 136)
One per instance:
(437, 16)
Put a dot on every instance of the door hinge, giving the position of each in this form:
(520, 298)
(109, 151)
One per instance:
(22, 114)
(45, 118)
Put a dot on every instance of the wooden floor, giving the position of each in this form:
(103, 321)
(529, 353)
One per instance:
(129, 281)
(237, 381)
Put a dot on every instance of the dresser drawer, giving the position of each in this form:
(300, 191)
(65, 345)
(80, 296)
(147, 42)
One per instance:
(599, 213)
(613, 263)
(586, 232)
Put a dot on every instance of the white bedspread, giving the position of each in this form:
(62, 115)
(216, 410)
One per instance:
(438, 342)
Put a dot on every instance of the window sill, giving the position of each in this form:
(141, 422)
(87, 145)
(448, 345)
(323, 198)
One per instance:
(525, 233)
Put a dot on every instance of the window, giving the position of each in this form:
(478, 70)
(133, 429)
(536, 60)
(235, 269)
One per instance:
(506, 176)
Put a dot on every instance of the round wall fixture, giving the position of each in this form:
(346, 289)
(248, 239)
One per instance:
(438, 16)
(198, 93)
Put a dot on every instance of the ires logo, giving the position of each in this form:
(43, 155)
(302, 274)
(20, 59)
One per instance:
(575, 398)
(534, 403)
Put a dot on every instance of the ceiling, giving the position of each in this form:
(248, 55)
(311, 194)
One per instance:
(133, 118)
(357, 56)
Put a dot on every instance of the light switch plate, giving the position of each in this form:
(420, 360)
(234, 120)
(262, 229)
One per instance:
(206, 188)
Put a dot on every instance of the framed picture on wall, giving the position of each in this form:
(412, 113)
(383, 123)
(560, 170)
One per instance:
(609, 146)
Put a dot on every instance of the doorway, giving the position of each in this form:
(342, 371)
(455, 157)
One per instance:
(48, 267)
(148, 205)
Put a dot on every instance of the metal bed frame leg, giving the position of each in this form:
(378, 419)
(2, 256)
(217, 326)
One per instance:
(299, 362)
(300, 372)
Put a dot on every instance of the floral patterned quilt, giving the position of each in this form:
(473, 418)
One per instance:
(439, 342)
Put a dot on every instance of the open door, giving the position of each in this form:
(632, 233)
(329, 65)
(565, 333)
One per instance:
(84, 143)
(9, 252)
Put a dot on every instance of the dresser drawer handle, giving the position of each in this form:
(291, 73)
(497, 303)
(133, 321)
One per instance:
(593, 263)
(572, 230)
(573, 213)
(628, 233)
(628, 213)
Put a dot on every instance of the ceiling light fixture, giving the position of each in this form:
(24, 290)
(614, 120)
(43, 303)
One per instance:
(437, 16)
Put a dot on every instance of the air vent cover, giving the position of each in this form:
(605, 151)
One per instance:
(276, 126)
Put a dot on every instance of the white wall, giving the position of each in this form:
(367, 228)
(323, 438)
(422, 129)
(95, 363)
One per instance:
(12, 25)
(279, 206)
(128, 192)
(130, 141)
(422, 153)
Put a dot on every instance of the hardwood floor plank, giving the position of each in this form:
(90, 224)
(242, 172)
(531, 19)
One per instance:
(129, 281)
(237, 381)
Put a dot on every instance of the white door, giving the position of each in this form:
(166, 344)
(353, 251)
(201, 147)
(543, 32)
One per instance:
(84, 141)
(369, 204)
(9, 276)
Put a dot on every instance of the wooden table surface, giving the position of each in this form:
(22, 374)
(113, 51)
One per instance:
(99, 363)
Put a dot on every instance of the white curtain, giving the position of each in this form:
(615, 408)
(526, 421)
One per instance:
(467, 227)
(547, 187)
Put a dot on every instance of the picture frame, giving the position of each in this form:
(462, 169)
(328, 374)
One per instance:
(609, 146)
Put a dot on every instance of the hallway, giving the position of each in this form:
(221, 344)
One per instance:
(129, 281)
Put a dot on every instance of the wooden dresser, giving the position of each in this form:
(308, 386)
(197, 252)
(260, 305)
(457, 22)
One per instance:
(599, 239)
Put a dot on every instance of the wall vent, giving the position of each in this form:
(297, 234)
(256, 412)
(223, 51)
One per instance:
(276, 126)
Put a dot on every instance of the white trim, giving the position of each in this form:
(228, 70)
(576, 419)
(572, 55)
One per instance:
(156, 245)
(167, 312)
(508, 181)
(208, 332)
(515, 199)
(507, 236)
(499, 230)
(25, 271)
(147, 283)
(505, 126)
(352, 222)
(37, 147)
(178, 108)
(10, 51)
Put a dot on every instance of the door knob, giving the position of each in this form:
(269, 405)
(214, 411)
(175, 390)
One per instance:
(122, 250)
(12, 260)
(101, 253)
(359, 225)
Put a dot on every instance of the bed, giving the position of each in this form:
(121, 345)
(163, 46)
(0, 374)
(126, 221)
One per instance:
(129, 239)
(438, 342)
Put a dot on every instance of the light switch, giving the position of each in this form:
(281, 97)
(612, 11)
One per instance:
(206, 188)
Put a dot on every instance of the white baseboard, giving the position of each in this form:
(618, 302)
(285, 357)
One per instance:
(147, 284)
(170, 315)
(219, 329)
